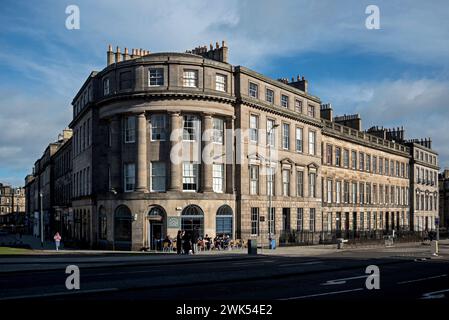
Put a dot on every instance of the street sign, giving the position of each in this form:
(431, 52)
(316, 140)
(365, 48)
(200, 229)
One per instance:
(262, 218)
(437, 221)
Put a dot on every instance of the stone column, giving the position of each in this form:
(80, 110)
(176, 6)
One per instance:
(230, 157)
(207, 143)
(175, 154)
(115, 158)
(141, 163)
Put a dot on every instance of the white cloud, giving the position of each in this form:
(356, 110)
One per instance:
(28, 124)
(415, 33)
(418, 105)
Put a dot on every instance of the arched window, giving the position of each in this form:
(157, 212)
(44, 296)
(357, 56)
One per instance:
(223, 221)
(192, 219)
(122, 224)
(102, 224)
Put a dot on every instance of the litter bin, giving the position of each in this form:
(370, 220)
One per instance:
(252, 246)
(272, 244)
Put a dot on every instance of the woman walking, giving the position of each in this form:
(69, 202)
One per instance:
(57, 239)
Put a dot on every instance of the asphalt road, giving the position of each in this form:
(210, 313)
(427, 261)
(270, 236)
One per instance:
(404, 275)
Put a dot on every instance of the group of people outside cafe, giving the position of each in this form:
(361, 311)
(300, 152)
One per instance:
(191, 242)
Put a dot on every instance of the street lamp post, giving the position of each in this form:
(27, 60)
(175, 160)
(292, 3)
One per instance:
(42, 222)
(270, 192)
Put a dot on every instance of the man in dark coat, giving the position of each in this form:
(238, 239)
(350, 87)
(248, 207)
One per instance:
(186, 242)
(179, 242)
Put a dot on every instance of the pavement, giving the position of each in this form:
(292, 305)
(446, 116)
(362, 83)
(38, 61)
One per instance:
(32, 242)
(408, 271)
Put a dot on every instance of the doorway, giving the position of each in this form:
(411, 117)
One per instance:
(338, 225)
(286, 219)
(156, 228)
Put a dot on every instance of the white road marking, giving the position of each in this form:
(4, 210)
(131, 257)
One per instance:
(116, 273)
(55, 294)
(300, 263)
(435, 294)
(423, 279)
(322, 294)
(252, 262)
(342, 281)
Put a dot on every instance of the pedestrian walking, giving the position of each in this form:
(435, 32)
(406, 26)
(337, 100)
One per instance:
(187, 245)
(195, 238)
(57, 239)
(179, 242)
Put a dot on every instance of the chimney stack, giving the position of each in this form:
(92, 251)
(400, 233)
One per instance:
(218, 53)
(326, 111)
(126, 55)
(118, 55)
(110, 56)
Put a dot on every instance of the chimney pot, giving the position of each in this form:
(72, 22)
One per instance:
(217, 45)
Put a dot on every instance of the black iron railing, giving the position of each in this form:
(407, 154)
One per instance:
(299, 238)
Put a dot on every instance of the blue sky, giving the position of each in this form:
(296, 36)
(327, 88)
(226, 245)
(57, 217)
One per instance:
(395, 76)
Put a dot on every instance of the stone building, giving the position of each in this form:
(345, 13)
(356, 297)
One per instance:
(169, 141)
(423, 184)
(365, 177)
(443, 186)
(43, 191)
(62, 176)
(12, 205)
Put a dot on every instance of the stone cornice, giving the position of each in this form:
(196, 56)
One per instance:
(341, 136)
(129, 196)
(157, 95)
(424, 164)
(170, 95)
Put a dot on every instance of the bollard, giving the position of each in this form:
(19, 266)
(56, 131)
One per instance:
(434, 247)
(252, 246)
